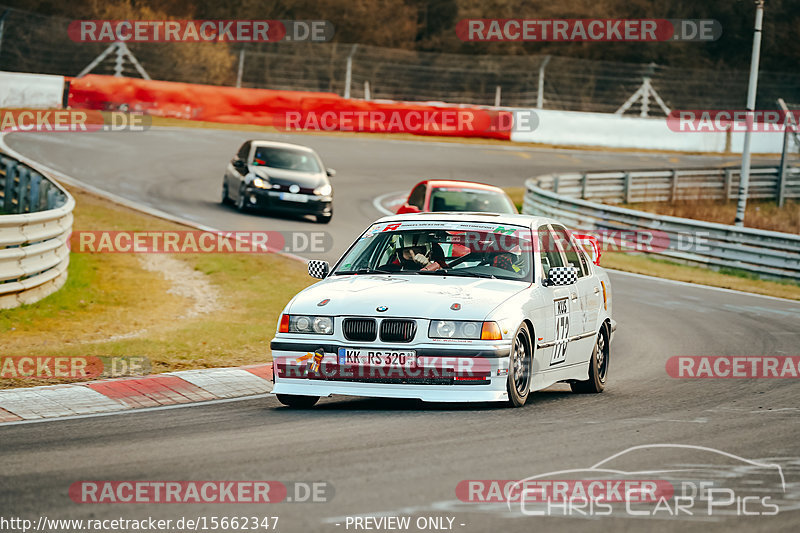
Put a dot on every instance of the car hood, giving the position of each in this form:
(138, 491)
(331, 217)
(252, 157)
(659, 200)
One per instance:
(309, 180)
(418, 296)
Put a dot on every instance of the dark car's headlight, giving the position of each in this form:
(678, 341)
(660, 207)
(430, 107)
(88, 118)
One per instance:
(261, 183)
(323, 190)
(317, 325)
(453, 329)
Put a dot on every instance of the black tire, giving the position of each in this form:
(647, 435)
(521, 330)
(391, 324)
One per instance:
(298, 402)
(226, 200)
(598, 367)
(520, 368)
(324, 219)
(240, 203)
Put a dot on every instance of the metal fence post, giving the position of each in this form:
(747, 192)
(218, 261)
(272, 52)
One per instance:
(241, 69)
(540, 92)
(780, 188)
(349, 73)
(673, 195)
(555, 184)
(497, 96)
(584, 180)
(728, 181)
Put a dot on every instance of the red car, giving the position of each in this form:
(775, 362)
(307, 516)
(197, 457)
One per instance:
(447, 195)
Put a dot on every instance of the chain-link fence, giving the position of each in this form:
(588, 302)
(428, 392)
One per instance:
(36, 43)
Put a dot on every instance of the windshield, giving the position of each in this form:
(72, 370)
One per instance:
(442, 248)
(477, 200)
(285, 159)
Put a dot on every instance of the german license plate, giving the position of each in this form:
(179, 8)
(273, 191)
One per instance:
(379, 358)
(291, 197)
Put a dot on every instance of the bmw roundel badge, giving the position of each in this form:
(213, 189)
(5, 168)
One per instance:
(381, 308)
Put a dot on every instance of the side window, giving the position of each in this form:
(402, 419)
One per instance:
(548, 251)
(417, 196)
(244, 151)
(572, 254)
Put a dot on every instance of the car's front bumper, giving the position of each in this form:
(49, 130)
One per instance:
(491, 360)
(272, 201)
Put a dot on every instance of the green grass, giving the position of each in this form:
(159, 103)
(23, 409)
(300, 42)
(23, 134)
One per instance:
(110, 294)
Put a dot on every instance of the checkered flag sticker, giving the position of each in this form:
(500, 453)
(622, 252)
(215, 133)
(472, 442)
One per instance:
(318, 269)
(563, 275)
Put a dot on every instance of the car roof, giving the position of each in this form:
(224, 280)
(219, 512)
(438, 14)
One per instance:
(462, 185)
(453, 216)
(276, 144)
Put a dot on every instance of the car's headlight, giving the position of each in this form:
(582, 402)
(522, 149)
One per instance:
(261, 184)
(318, 325)
(452, 329)
(323, 190)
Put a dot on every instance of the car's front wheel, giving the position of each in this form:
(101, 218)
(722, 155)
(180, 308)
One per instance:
(520, 368)
(225, 197)
(240, 201)
(598, 367)
(298, 402)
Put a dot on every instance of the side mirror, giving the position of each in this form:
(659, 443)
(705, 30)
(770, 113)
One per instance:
(238, 163)
(330, 172)
(562, 275)
(405, 208)
(318, 269)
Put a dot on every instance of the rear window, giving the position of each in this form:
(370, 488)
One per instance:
(475, 200)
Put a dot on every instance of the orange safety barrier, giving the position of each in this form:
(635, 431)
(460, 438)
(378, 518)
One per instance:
(286, 110)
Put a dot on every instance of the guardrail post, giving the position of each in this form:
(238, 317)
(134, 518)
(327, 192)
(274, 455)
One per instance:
(584, 180)
(726, 194)
(673, 195)
(627, 193)
(555, 183)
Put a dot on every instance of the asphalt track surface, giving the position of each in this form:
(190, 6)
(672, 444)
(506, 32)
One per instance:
(387, 458)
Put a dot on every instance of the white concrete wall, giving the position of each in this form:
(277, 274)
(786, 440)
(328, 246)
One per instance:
(19, 90)
(571, 128)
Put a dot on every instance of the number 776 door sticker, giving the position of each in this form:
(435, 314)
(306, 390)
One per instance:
(562, 331)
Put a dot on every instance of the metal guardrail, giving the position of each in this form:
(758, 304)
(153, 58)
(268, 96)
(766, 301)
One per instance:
(768, 254)
(35, 225)
(626, 186)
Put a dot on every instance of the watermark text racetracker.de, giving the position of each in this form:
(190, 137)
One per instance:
(73, 367)
(197, 241)
(149, 523)
(200, 31)
(72, 121)
(588, 30)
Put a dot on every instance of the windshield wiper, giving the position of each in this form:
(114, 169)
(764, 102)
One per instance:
(446, 272)
(363, 271)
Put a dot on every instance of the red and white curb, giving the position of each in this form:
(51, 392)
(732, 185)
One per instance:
(122, 394)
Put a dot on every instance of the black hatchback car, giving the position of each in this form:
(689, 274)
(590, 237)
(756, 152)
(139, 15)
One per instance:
(279, 177)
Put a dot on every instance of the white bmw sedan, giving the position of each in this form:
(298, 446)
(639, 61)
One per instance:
(461, 307)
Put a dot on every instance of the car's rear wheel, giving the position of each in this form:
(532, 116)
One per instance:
(298, 402)
(520, 368)
(598, 367)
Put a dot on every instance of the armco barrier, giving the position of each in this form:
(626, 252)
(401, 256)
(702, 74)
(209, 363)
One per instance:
(35, 224)
(667, 185)
(267, 107)
(768, 254)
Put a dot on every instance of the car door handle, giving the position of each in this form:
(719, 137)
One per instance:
(574, 296)
(597, 290)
